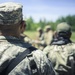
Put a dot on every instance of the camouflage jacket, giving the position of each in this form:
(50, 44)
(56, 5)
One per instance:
(48, 36)
(61, 57)
(11, 47)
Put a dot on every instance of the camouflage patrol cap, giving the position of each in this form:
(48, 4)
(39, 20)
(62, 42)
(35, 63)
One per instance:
(38, 29)
(10, 13)
(47, 27)
(63, 27)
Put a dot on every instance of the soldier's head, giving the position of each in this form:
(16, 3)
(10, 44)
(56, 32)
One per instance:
(11, 19)
(47, 28)
(64, 30)
(39, 29)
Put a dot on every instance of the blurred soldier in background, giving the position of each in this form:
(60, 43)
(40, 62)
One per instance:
(16, 56)
(40, 35)
(48, 36)
(40, 39)
(62, 51)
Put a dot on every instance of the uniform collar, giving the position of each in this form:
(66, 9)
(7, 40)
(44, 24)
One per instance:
(60, 41)
(15, 41)
(8, 37)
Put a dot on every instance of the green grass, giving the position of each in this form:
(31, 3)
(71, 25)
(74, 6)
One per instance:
(32, 35)
(73, 36)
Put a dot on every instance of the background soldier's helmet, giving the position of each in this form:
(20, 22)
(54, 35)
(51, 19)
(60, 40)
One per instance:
(10, 13)
(48, 27)
(39, 29)
(63, 27)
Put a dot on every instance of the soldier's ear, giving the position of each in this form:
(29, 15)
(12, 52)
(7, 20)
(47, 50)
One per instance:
(23, 24)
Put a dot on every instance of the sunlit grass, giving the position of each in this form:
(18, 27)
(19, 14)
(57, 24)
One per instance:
(31, 34)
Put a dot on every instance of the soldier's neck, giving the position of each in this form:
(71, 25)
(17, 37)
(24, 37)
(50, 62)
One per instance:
(6, 34)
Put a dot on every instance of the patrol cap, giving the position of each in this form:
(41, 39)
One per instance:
(10, 13)
(47, 27)
(38, 29)
(63, 27)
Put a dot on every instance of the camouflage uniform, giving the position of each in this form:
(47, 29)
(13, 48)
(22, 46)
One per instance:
(40, 39)
(48, 36)
(62, 51)
(12, 47)
(40, 34)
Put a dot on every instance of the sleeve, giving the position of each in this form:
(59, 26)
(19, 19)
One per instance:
(46, 50)
(43, 64)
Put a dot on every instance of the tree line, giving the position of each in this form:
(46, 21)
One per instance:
(31, 25)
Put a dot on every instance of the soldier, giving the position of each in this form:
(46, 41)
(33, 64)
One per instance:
(40, 39)
(48, 36)
(40, 34)
(16, 56)
(62, 51)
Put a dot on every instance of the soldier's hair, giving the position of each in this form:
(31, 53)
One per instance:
(9, 28)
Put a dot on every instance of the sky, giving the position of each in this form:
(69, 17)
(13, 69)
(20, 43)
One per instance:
(50, 10)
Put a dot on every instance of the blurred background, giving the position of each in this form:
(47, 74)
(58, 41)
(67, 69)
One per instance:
(39, 13)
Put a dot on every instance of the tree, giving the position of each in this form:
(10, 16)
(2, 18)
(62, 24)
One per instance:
(69, 19)
(29, 23)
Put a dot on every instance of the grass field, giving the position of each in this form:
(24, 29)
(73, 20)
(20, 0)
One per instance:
(32, 35)
(73, 36)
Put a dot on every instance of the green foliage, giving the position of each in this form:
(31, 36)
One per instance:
(31, 25)
(69, 19)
